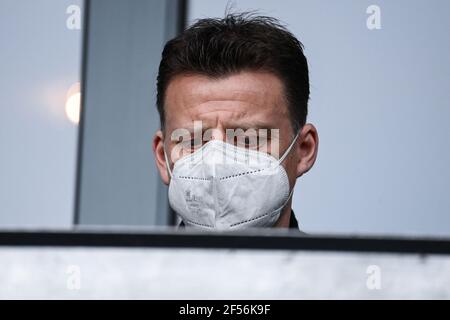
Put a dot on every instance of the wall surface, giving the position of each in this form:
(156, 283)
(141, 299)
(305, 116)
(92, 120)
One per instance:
(119, 183)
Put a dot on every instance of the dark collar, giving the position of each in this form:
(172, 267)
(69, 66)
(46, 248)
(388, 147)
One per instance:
(293, 224)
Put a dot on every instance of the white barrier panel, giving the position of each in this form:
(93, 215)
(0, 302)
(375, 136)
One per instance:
(149, 273)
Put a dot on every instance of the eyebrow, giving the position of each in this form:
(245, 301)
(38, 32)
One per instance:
(244, 125)
(257, 124)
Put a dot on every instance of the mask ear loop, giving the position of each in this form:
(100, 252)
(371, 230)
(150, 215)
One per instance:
(282, 159)
(167, 162)
(289, 148)
(289, 197)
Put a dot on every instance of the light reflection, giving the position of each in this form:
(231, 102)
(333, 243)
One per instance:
(73, 103)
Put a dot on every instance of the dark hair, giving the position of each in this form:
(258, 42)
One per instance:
(219, 47)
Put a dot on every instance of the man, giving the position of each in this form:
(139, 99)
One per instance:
(232, 95)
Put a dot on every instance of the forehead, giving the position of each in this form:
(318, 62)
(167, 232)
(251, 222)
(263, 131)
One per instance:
(245, 96)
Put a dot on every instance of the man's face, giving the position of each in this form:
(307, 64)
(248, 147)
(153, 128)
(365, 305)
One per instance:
(247, 100)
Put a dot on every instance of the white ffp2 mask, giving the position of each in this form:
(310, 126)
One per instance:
(222, 186)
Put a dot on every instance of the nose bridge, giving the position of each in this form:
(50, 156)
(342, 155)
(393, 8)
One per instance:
(216, 133)
(211, 157)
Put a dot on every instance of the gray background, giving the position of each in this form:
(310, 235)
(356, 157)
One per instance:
(379, 100)
(39, 62)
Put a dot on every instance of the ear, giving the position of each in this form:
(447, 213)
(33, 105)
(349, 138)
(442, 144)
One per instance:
(307, 148)
(158, 150)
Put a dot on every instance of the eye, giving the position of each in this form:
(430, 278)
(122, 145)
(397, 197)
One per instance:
(189, 145)
(195, 144)
(248, 142)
